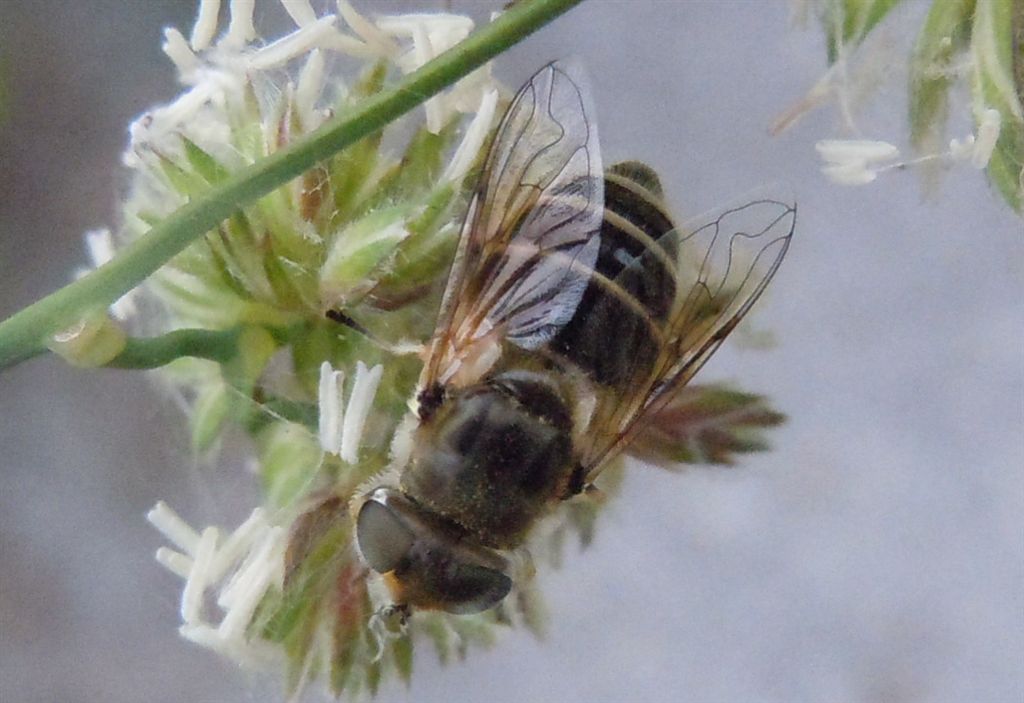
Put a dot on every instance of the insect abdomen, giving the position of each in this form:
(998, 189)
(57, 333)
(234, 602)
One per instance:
(611, 336)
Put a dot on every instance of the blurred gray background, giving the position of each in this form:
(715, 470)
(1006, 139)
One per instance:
(876, 554)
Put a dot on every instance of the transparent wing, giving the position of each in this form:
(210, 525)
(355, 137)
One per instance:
(723, 267)
(531, 235)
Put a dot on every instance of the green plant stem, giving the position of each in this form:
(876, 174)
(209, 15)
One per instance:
(216, 345)
(22, 335)
(153, 352)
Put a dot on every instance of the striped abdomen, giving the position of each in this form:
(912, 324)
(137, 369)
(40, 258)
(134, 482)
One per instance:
(611, 337)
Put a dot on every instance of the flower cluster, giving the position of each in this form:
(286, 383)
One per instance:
(860, 161)
(972, 44)
(371, 232)
(299, 320)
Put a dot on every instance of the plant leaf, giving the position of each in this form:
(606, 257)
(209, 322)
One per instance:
(705, 425)
(997, 68)
(848, 22)
(946, 33)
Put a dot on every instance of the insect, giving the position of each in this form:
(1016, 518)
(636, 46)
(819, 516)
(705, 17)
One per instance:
(575, 308)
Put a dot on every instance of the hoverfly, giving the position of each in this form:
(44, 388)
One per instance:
(574, 309)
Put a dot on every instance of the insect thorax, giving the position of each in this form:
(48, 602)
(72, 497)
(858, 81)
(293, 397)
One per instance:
(494, 456)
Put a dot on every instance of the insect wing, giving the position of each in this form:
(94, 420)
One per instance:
(532, 233)
(723, 267)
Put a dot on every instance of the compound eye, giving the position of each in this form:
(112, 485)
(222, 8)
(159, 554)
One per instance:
(476, 588)
(383, 538)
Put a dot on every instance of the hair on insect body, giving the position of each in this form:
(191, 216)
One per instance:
(575, 309)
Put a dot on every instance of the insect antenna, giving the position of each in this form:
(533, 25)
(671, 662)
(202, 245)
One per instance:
(399, 348)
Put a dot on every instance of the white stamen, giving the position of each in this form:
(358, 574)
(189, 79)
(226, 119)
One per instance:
(152, 127)
(252, 584)
(363, 391)
(848, 161)
(988, 135)
(423, 51)
(300, 11)
(854, 173)
(253, 655)
(295, 44)
(350, 46)
(178, 51)
(173, 528)
(198, 576)
(404, 25)
(203, 635)
(841, 151)
(241, 28)
(331, 415)
(175, 562)
(124, 308)
(238, 544)
(100, 245)
(446, 36)
(206, 24)
(307, 92)
(465, 95)
(473, 142)
(229, 591)
(962, 150)
(367, 31)
(263, 565)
